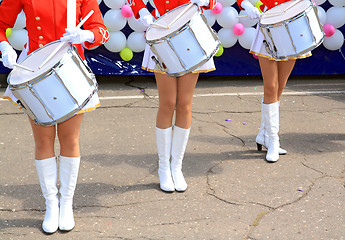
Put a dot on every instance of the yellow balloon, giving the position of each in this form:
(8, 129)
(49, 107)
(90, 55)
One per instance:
(258, 4)
(220, 51)
(126, 54)
(8, 32)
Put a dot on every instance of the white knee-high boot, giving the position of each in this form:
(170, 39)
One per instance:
(163, 140)
(262, 137)
(179, 143)
(47, 175)
(68, 173)
(271, 112)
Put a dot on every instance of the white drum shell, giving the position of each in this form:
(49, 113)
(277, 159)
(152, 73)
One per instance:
(57, 94)
(187, 48)
(293, 37)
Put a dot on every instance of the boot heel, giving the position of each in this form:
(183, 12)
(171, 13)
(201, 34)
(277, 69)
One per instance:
(259, 146)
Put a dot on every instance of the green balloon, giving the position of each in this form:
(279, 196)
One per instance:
(220, 51)
(126, 54)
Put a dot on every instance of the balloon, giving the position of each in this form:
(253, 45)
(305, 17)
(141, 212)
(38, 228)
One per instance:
(126, 54)
(246, 21)
(136, 25)
(115, 4)
(114, 20)
(228, 17)
(334, 42)
(246, 39)
(337, 3)
(238, 29)
(116, 42)
(18, 38)
(329, 30)
(210, 17)
(99, 1)
(136, 41)
(336, 16)
(8, 32)
(220, 51)
(258, 5)
(227, 3)
(126, 11)
(321, 14)
(227, 37)
(319, 2)
(21, 21)
(218, 8)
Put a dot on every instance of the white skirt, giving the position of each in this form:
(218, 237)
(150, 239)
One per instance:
(258, 48)
(91, 105)
(150, 65)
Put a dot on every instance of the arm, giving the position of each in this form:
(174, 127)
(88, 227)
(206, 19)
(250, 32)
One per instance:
(136, 6)
(9, 10)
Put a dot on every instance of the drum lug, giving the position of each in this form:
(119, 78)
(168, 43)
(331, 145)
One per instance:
(160, 65)
(20, 104)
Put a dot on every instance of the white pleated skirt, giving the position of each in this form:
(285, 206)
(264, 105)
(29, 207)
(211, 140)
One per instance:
(150, 65)
(258, 48)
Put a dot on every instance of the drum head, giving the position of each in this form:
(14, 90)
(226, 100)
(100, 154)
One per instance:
(154, 33)
(293, 10)
(34, 60)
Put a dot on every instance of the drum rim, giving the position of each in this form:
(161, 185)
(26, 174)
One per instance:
(307, 9)
(39, 76)
(170, 34)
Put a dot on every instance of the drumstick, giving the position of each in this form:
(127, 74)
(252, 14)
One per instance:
(159, 26)
(178, 16)
(21, 66)
(266, 14)
(297, 1)
(63, 43)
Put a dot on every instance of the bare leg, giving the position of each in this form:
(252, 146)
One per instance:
(44, 140)
(185, 90)
(284, 71)
(68, 133)
(269, 71)
(167, 91)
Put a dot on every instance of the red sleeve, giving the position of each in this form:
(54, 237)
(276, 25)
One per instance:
(239, 2)
(9, 10)
(95, 23)
(136, 5)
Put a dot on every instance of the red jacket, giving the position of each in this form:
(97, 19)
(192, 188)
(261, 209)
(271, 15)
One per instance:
(163, 6)
(268, 3)
(46, 21)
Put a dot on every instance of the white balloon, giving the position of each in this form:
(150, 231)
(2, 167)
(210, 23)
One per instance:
(99, 1)
(21, 21)
(227, 37)
(334, 42)
(211, 18)
(116, 42)
(227, 3)
(319, 2)
(115, 4)
(136, 41)
(136, 25)
(114, 20)
(246, 21)
(18, 38)
(246, 39)
(337, 3)
(336, 16)
(228, 17)
(321, 14)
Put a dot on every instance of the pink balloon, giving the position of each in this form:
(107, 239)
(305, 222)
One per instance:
(238, 29)
(217, 9)
(126, 11)
(329, 30)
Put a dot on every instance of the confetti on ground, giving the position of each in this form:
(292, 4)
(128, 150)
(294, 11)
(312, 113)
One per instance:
(255, 88)
(228, 120)
(300, 189)
(142, 90)
(293, 101)
(244, 123)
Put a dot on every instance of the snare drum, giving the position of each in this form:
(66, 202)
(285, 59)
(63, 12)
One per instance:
(291, 29)
(187, 44)
(57, 91)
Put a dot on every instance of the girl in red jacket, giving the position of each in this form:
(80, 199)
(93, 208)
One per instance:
(175, 95)
(46, 21)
